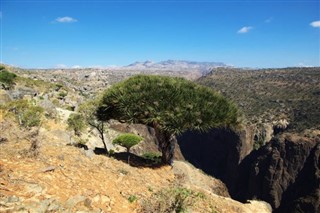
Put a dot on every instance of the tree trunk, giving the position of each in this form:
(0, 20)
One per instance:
(166, 144)
(100, 128)
(101, 131)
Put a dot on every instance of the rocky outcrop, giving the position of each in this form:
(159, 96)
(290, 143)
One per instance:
(284, 173)
(304, 194)
(22, 92)
(217, 152)
(150, 142)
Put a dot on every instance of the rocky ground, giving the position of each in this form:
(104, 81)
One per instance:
(68, 179)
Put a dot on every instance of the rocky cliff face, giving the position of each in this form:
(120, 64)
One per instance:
(284, 172)
(217, 152)
(304, 196)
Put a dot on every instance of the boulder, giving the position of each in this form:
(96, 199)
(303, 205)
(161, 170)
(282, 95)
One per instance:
(150, 142)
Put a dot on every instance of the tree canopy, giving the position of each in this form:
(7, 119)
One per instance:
(127, 140)
(170, 105)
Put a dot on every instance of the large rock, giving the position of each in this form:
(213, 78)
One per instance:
(277, 172)
(21, 92)
(150, 142)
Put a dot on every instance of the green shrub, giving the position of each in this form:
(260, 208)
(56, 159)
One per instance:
(62, 95)
(26, 113)
(76, 123)
(7, 77)
(152, 156)
(57, 87)
(132, 198)
(111, 152)
(173, 199)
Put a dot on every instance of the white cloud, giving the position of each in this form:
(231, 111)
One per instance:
(315, 23)
(268, 20)
(61, 66)
(301, 64)
(66, 19)
(96, 66)
(245, 29)
(76, 67)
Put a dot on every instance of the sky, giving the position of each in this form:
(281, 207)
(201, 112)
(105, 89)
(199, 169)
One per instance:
(100, 33)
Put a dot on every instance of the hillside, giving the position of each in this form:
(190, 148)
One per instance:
(268, 95)
(42, 168)
(65, 178)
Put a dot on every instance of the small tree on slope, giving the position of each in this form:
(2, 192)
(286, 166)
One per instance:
(88, 110)
(169, 105)
(127, 140)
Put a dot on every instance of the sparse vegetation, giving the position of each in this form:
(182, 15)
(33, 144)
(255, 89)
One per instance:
(62, 95)
(169, 105)
(271, 94)
(132, 198)
(29, 116)
(25, 112)
(173, 199)
(153, 157)
(88, 111)
(76, 122)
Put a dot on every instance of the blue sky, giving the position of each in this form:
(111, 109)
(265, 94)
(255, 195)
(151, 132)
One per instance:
(43, 34)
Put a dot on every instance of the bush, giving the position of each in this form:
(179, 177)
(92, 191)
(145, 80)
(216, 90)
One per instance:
(62, 95)
(57, 87)
(7, 77)
(152, 156)
(76, 123)
(27, 114)
(174, 199)
(132, 198)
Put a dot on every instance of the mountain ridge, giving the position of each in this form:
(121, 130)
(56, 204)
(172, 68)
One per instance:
(176, 65)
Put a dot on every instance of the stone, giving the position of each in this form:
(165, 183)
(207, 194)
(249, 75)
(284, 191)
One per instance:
(73, 201)
(13, 199)
(33, 188)
(105, 199)
(48, 169)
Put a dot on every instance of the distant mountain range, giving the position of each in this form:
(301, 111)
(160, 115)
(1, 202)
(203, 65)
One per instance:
(175, 65)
